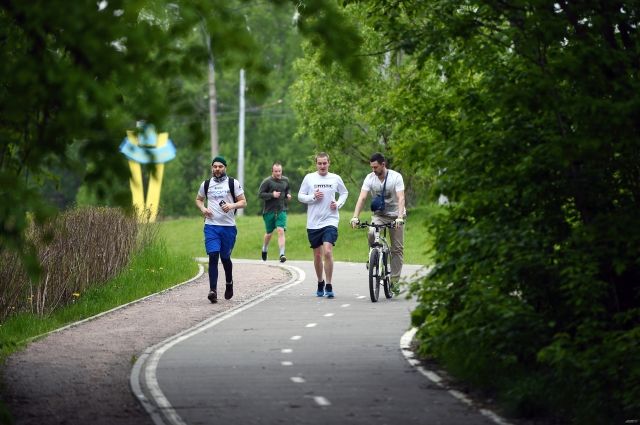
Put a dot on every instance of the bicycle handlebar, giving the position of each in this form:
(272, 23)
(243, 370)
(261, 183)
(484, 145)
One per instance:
(364, 224)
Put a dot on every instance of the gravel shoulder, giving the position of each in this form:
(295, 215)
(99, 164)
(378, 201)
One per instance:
(80, 375)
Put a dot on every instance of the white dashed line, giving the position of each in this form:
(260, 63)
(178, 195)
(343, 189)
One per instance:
(311, 325)
(345, 305)
(362, 296)
(286, 350)
(296, 337)
(145, 369)
(321, 401)
(328, 315)
(286, 363)
(298, 379)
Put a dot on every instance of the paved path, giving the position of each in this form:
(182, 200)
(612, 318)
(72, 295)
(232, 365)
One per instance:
(294, 358)
(80, 375)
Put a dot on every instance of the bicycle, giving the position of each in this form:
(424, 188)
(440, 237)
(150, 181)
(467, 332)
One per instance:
(378, 265)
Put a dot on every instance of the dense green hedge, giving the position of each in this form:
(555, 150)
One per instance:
(536, 289)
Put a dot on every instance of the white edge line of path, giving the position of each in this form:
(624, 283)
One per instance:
(157, 405)
(405, 347)
(104, 313)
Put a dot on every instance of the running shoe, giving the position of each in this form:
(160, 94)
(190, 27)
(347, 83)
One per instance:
(264, 255)
(213, 297)
(228, 291)
(320, 291)
(283, 258)
(329, 291)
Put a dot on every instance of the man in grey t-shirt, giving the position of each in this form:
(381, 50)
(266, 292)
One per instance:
(275, 192)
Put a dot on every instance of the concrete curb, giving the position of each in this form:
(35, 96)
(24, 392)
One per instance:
(409, 355)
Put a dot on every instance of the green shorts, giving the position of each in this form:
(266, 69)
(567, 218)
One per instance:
(273, 220)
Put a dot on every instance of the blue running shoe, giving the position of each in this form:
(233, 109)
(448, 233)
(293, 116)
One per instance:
(320, 291)
(329, 291)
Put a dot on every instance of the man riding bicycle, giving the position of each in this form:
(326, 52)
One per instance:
(388, 206)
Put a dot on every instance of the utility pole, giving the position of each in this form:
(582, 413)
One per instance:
(213, 99)
(241, 134)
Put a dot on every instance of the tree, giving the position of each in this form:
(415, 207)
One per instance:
(535, 130)
(524, 113)
(354, 117)
(270, 123)
(80, 75)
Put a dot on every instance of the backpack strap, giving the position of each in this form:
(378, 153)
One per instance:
(206, 189)
(232, 189)
(384, 186)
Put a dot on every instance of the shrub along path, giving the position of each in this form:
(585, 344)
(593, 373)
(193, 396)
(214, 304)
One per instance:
(80, 375)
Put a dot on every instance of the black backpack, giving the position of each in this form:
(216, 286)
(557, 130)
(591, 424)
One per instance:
(232, 189)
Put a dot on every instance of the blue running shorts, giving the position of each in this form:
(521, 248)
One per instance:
(220, 239)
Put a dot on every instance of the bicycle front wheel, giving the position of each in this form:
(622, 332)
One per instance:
(374, 275)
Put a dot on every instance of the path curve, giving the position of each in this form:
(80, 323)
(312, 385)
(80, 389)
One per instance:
(80, 374)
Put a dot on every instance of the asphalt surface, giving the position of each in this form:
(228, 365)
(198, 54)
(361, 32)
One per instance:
(291, 357)
(80, 374)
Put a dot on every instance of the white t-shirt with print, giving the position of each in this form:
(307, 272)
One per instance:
(319, 212)
(220, 192)
(395, 183)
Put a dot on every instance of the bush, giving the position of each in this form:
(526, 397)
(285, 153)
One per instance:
(78, 249)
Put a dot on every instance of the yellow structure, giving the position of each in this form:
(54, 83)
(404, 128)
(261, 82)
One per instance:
(147, 148)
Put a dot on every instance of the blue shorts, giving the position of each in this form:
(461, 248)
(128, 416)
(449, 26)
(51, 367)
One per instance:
(319, 236)
(220, 239)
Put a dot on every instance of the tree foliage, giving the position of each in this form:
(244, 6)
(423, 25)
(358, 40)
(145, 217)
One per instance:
(353, 117)
(75, 76)
(525, 114)
(269, 121)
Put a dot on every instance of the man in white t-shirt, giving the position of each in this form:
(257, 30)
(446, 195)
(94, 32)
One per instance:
(394, 208)
(318, 190)
(220, 223)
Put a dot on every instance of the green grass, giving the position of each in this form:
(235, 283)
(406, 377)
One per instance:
(154, 269)
(185, 236)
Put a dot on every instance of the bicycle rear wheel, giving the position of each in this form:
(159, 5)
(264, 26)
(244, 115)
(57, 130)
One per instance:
(374, 275)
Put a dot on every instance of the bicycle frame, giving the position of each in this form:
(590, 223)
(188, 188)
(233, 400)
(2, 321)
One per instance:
(378, 262)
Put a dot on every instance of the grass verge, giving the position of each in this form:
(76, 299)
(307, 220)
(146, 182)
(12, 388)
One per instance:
(150, 271)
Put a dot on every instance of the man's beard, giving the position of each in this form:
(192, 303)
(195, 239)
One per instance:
(219, 178)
